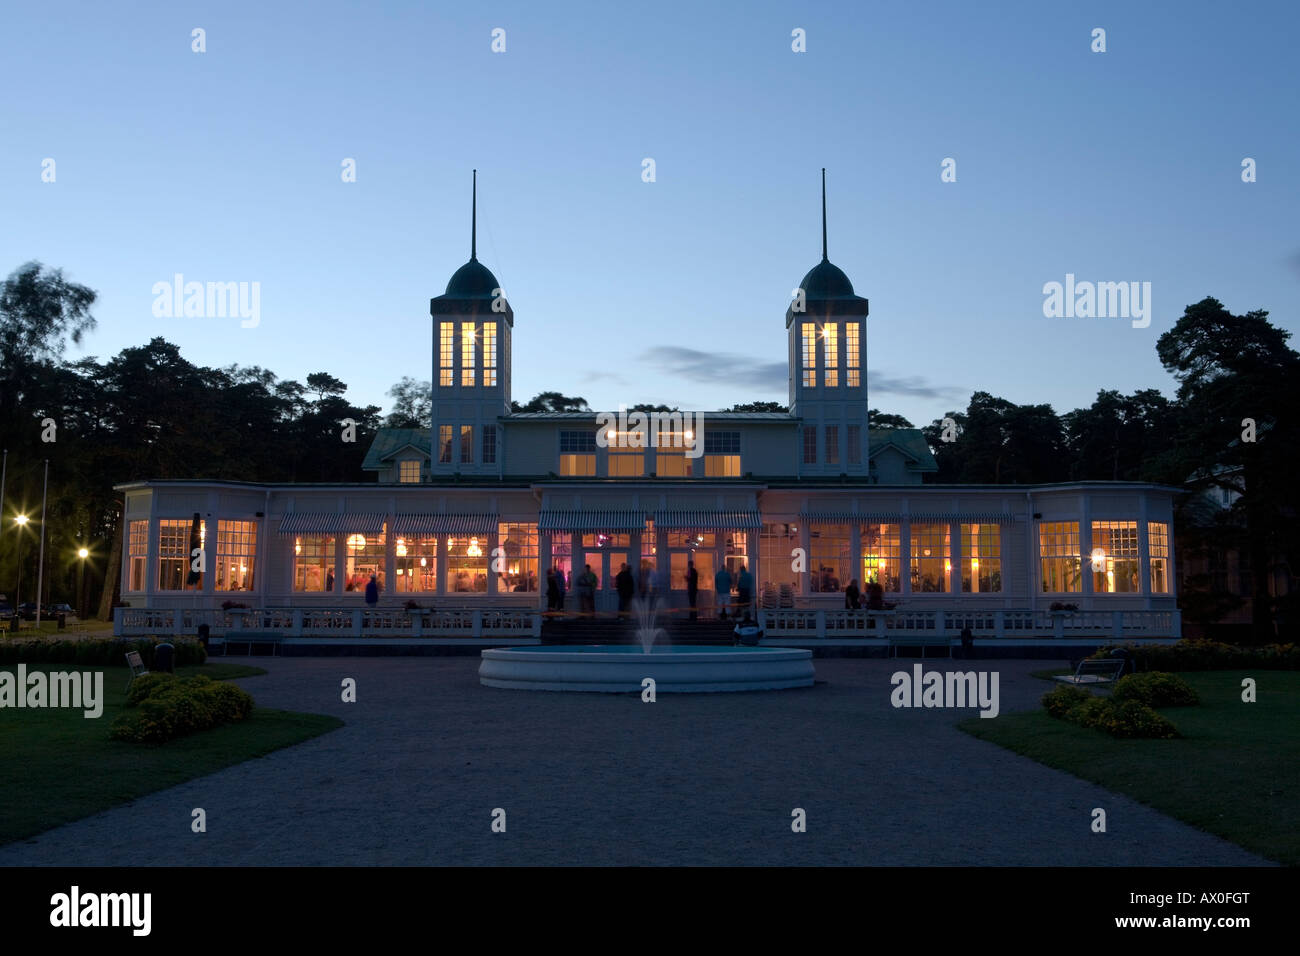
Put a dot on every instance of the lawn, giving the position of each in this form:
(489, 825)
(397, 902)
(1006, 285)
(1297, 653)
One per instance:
(58, 766)
(1235, 773)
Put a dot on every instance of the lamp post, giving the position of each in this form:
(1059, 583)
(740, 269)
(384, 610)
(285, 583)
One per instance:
(40, 565)
(21, 521)
(82, 553)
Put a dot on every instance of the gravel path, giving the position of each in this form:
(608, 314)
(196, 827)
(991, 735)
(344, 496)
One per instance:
(427, 754)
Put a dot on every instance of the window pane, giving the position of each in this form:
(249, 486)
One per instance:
(882, 562)
(1158, 548)
(829, 559)
(364, 557)
(467, 565)
(415, 559)
(930, 557)
(313, 562)
(1058, 550)
(1114, 559)
(981, 558)
(137, 555)
(236, 554)
(176, 557)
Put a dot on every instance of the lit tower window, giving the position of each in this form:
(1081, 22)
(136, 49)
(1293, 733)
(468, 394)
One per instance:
(489, 354)
(809, 360)
(446, 352)
(467, 354)
(852, 356)
(830, 353)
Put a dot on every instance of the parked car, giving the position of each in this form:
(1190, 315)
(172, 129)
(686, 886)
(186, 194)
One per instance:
(27, 610)
(54, 610)
(6, 610)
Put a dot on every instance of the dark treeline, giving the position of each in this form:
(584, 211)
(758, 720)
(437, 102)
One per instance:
(149, 413)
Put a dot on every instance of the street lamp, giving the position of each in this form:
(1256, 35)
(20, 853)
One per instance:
(82, 553)
(21, 521)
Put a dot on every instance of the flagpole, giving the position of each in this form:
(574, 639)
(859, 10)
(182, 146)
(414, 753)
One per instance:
(40, 568)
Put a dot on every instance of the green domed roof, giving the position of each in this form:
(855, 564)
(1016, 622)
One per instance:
(473, 280)
(825, 281)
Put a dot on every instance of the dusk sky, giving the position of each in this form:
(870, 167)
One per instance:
(225, 166)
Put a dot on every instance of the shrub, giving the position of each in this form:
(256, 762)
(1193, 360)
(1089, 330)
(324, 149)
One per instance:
(1132, 718)
(1200, 655)
(162, 706)
(1155, 689)
(1063, 699)
(107, 652)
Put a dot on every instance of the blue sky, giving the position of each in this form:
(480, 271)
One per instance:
(225, 166)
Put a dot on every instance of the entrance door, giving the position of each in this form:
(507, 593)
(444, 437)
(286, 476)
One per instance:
(678, 563)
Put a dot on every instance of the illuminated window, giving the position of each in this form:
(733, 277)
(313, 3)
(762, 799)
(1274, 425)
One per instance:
(177, 555)
(365, 556)
(467, 564)
(444, 444)
(722, 466)
(489, 444)
(1158, 549)
(722, 454)
(829, 558)
(831, 353)
(852, 359)
(466, 354)
(446, 352)
(466, 444)
(981, 558)
(313, 562)
(236, 551)
(518, 544)
(489, 353)
(137, 555)
(930, 557)
(626, 462)
(808, 333)
(810, 444)
(832, 439)
(882, 561)
(577, 454)
(776, 544)
(1114, 560)
(1058, 552)
(854, 442)
(408, 472)
(416, 563)
(671, 463)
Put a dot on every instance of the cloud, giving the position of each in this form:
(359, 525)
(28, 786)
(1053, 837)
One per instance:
(732, 369)
(718, 368)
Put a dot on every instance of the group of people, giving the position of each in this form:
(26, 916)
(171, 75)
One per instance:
(723, 583)
(853, 597)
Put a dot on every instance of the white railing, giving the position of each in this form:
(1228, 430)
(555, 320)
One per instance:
(332, 622)
(899, 623)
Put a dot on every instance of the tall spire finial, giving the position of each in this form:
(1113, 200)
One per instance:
(823, 213)
(473, 228)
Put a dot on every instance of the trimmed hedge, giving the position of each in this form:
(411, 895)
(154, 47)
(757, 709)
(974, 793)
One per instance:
(1155, 689)
(1197, 655)
(161, 707)
(104, 652)
(1119, 718)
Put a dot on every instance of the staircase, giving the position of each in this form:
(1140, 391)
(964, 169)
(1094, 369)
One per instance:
(610, 630)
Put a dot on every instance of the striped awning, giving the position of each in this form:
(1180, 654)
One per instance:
(319, 522)
(600, 520)
(445, 524)
(852, 517)
(708, 520)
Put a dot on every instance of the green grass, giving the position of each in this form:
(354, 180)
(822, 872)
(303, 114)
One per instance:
(59, 766)
(1235, 772)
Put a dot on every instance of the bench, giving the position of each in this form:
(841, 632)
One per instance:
(1093, 671)
(919, 640)
(273, 638)
(136, 663)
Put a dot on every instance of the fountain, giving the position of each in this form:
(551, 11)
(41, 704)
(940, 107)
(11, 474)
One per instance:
(621, 668)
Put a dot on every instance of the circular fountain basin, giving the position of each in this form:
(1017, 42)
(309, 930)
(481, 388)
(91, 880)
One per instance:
(621, 668)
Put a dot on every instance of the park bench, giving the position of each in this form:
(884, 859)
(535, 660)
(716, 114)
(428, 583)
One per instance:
(1094, 671)
(918, 640)
(273, 638)
(136, 663)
